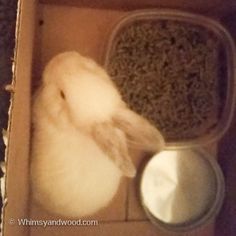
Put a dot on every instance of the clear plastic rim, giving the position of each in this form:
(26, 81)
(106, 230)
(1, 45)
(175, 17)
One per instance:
(210, 214)
(227, 41)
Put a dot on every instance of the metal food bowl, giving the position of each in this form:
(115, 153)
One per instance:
(210, 208)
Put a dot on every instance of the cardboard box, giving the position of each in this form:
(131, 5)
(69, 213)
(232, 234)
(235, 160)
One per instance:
(44, 29)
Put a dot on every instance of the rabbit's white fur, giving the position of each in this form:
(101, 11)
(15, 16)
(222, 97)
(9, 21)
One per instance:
(81, 133)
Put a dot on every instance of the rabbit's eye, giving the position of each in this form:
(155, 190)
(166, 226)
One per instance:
(62, 95)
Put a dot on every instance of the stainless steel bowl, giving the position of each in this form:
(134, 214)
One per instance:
(210, 210)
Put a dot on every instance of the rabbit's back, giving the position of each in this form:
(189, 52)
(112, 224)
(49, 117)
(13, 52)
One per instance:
(70, 173)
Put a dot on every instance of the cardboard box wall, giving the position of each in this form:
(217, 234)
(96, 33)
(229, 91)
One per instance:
(44, 29)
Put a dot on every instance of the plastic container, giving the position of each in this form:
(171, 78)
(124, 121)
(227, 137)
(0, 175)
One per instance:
(217, 189)
(224, 37)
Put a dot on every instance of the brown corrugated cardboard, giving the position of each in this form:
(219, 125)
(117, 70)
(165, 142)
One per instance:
(200, 5)
(60, 27)
(17, 185)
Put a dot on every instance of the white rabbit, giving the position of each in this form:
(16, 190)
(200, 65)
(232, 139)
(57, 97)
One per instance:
(82, 131)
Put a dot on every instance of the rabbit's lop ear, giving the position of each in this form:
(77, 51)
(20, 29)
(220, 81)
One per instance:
(113, 142)
(140, 133)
